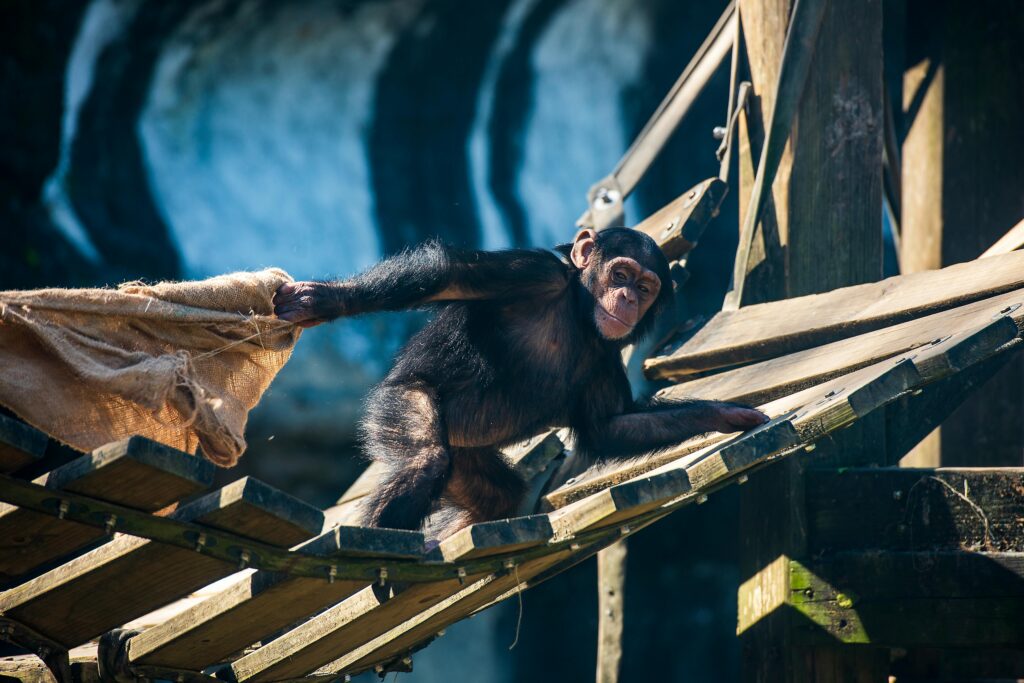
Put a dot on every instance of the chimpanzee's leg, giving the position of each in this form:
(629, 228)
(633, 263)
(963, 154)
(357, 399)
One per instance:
(403, 430)
(482, 488)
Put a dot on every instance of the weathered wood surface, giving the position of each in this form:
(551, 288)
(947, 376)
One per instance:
(904, 509)
(130, 576)
(373, 612)
(935, 599)
(25, 669)
(426, 624)
(678, 225)
(770, 379)
(20, 445)
(262, 603)
(852, 396)
(611, 584)
(136, 473)
(762, 331)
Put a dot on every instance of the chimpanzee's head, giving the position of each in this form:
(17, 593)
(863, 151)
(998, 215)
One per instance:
(628, 277)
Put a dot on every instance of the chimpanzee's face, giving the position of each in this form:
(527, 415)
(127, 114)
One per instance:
(623, 289)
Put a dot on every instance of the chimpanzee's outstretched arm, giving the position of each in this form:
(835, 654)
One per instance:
(429, 272)
(664, 424)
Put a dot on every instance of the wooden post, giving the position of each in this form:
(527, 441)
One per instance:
(611, 582)
(821, 230)
(963, 174)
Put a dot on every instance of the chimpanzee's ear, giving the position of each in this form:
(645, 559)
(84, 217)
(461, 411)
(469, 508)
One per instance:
(583, 248)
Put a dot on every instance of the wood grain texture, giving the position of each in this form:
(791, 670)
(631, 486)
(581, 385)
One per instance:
(932, 599)
(678, 226)
(20, 445)
(770, 379)
(762, 331)
(262, 603)
(915, 509)
(374, 610)
(130, 576)
(135, 473)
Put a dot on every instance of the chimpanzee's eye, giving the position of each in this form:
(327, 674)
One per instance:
(619, 276)
(644, 288)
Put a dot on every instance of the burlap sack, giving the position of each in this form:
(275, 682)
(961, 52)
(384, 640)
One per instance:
(181, 363)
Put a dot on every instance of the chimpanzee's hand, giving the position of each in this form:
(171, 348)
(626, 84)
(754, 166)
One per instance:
(728, 417)
(307, 303)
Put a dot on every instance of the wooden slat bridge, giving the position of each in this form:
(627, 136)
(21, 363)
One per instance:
(113, 535)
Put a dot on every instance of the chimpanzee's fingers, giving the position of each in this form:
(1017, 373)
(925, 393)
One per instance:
(745, 418)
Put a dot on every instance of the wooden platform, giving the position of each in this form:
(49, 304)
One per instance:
(120, 532)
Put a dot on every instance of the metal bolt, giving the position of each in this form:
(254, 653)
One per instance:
(810, 447)
(332, 573)
(703, 499)
(605, 198)
(200, 542)
(108, 527)
(574, 547)
(62, 509)
(382, 575)
(407, 661)
(441, 633)
(897, 494)
(624, 529)
(743, 479)
(508, 564)
(718, 132)
(917, 392)
(243, 559)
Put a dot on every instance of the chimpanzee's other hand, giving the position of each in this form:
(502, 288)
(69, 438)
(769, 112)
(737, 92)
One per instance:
(306, 303)
(736, 417)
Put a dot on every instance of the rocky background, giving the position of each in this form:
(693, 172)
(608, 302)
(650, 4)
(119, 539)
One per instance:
(149, 140)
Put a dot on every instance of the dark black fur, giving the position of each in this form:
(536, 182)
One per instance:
(512, 351)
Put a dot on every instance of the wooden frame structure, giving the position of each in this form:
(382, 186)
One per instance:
(854, 568)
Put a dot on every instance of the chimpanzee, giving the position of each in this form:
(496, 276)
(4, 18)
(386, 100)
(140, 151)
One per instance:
(522, 341)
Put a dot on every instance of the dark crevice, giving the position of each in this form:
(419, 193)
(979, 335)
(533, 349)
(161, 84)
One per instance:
(423, 112)
(506, 131)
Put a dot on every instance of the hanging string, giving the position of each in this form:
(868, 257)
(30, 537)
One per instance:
(519, 593)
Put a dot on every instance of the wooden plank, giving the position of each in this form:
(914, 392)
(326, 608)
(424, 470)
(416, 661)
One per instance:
(685, 476)
(935, 599)
(770, 379)
(903, 509)
(1011, 241)
(762, 331)
(130, 576)
(371, 612)
(20, 444)
(262, 603)
(678, 225)
(813, 412)
(135, 472)
(427, 623)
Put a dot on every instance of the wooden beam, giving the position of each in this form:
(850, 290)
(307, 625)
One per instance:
(262, 603)
(372, 614)
(961, 91)
(914, 510)
(934, 599)
(678, 225)
(1011, 241)
(762, 331)
(611, 585)
(136, 472)
(130, 576)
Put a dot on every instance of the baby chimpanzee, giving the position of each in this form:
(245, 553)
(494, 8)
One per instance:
(523, 341)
